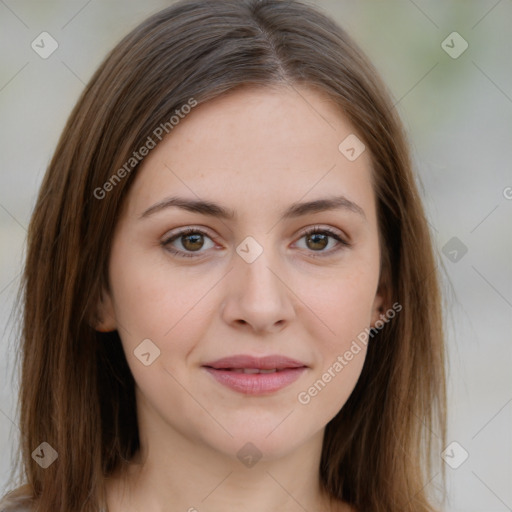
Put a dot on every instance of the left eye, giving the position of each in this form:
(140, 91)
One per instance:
(192, 241)
(319, 239)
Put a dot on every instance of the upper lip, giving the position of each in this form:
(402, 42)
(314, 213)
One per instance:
(261, 363)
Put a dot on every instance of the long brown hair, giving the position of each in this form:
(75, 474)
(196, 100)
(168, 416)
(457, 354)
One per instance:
(77, 392)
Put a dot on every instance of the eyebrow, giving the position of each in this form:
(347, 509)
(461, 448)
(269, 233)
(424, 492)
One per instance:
(295, 210)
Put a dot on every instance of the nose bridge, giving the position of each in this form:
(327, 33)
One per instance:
(257, 294)
(256, 267)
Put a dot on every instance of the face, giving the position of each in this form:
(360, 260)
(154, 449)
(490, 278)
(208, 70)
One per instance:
(279, 289)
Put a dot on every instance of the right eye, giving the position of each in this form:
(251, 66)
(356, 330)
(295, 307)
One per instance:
(191, 241)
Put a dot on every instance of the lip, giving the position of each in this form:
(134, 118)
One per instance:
(261, 363)
(227, 371)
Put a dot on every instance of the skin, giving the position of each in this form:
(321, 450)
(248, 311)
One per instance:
(255, 151)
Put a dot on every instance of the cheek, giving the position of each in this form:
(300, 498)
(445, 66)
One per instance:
(344, 307)
(343, 303)
(349, 313)
(152, 300)
(345, 310)
(330, 388)
(171, 309)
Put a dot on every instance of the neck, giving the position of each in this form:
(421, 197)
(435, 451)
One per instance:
(179, 474)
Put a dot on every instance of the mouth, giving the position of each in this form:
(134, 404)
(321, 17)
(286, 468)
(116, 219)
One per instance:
(256, 376)
(250, 370)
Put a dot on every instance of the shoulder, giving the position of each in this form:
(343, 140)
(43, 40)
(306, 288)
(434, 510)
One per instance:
(19, 500)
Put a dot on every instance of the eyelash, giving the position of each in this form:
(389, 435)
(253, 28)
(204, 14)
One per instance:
(314, 230)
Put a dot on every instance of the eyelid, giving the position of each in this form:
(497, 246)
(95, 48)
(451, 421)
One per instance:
(193, 228)
(177, 234)
(335, 232)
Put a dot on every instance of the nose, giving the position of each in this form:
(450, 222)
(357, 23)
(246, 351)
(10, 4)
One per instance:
(257, 296)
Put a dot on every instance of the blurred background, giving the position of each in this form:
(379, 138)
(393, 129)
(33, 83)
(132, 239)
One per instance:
(448, 66)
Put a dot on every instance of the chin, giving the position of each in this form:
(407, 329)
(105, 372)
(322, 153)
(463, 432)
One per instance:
(265, 440)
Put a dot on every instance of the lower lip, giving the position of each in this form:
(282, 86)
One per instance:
(256, 383)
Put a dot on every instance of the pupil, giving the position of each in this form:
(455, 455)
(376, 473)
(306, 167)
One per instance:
(315, 240)
(197, 239)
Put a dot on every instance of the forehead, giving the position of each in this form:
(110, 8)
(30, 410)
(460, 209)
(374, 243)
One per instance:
(257, 146)
(264, 124)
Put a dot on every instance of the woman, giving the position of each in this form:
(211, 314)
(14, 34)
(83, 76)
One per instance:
(230, 295)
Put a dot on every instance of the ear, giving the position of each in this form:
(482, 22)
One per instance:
(381, 301)
(105, 319)
(383, 294)
(377, 308)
